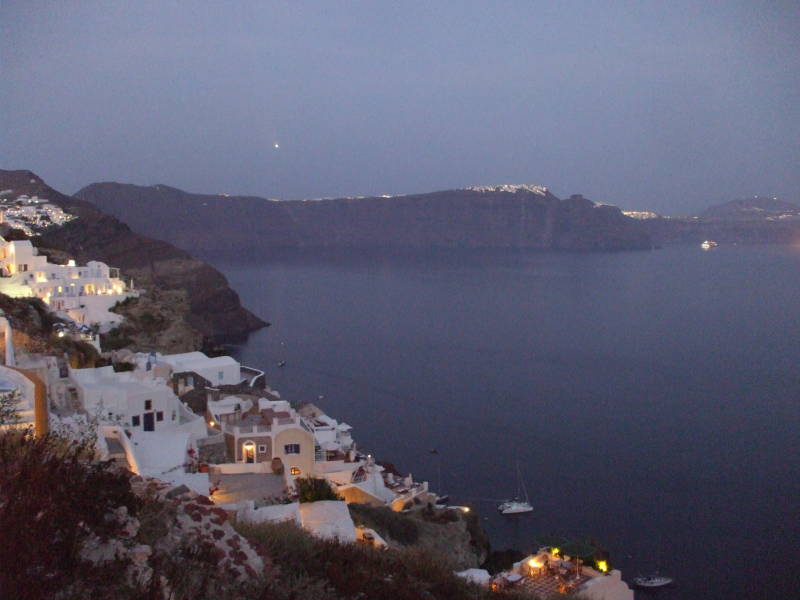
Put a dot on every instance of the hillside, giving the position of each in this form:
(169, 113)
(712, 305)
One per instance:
(213, 308)
(490, 217)
(757, 220)
(758, 208)
(88, 529)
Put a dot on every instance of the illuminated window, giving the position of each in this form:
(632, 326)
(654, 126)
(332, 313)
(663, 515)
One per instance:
(294, 471)
(291, 449)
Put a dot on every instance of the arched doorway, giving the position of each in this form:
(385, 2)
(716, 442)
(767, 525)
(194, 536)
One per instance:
(249, 452)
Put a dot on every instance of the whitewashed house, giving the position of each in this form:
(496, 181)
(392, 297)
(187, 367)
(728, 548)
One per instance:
(355, 477)
(266, 432)
(134, 401)
(217, 370)
(85, 293)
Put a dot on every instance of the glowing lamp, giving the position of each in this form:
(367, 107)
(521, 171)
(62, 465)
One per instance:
(555, 551)
(465, 509)
(602, 565)
(534, 563)
(211, 423)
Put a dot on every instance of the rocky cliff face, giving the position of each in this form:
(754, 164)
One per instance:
(493, 217)
(214, 308)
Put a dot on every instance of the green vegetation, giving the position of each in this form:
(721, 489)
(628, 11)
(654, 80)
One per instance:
(81, 354)
(397, 526)
(117, 338)
(312, 489)
(318, 569)
(8, 407)
(51, 499)
(57, 502)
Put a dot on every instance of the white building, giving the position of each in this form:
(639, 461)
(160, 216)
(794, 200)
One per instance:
(31, 215)
(134, 401)
(217, 370)
(354, 477)
(84, 293)
(268, 433)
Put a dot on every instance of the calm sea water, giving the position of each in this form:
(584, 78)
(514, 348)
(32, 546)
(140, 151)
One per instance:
(651, 398)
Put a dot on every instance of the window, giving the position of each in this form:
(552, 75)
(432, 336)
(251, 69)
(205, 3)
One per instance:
(291, 449)
(135, 420)
(160, 416)
(262, 448)
(148, 405)
(294, 471)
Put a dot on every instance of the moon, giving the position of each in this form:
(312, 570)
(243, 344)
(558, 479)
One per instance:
(276, 145)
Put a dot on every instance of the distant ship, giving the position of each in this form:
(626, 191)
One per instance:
(708, 244)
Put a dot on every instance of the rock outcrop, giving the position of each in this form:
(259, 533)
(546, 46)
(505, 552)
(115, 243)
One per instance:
(214, 309)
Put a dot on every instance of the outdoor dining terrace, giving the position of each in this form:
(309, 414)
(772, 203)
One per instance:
(548, 574)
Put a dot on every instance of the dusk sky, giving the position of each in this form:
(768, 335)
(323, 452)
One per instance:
(670, 106)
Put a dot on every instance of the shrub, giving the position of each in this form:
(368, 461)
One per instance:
(51, 497)
(327, 569)
(401, 528)
(313, 489)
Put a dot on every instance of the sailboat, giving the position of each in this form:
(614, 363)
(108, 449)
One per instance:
(656, 580)
(652, 581)
(517, 506)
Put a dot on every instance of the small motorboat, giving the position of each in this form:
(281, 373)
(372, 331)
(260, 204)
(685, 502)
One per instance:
(652, 581)
(282, 363)
(708, 244)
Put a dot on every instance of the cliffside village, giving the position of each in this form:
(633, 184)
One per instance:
(214, 427)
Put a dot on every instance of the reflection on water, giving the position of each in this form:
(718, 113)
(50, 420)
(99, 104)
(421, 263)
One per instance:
(648, 395)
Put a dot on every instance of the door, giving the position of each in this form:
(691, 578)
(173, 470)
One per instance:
(149, 421)
(249, 450)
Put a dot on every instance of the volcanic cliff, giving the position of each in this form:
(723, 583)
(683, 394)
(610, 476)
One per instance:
(486, 217)
(213, 308)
